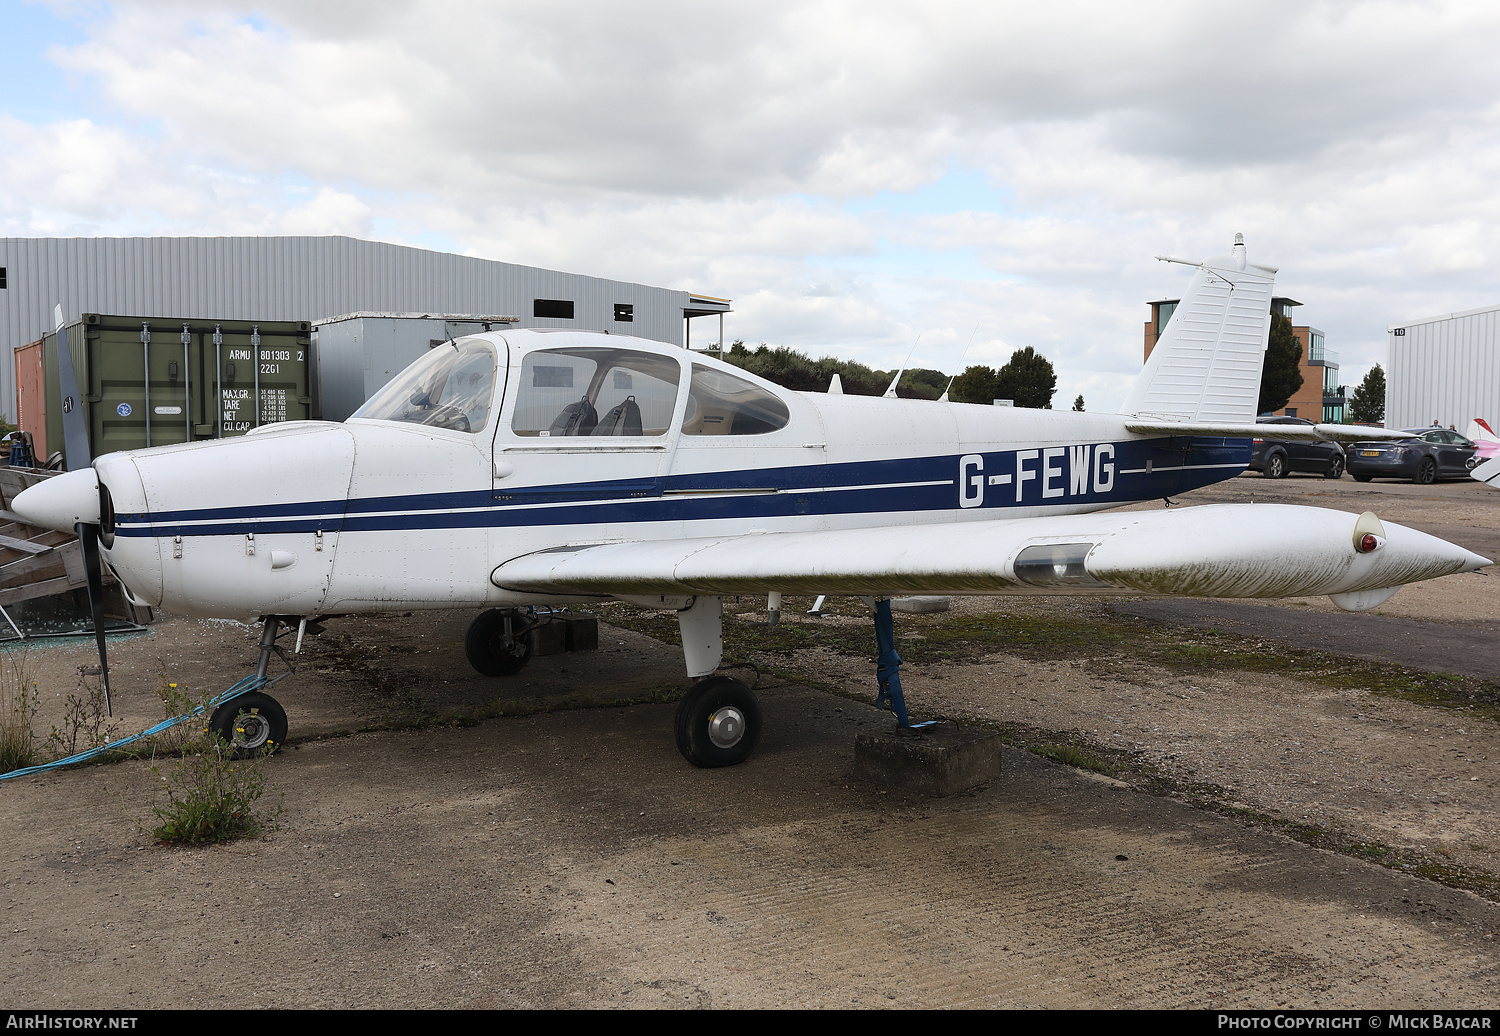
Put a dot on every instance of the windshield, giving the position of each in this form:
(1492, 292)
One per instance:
(450, 387)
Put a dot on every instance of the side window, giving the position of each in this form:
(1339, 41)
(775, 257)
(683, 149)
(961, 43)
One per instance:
(722, 404)
(595, 392)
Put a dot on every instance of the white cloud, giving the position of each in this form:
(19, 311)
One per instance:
(717, 146)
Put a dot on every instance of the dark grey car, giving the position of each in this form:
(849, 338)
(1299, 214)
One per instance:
(1430, 454)
(1275, 457)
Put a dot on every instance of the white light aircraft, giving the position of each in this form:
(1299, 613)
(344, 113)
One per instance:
(524, 468)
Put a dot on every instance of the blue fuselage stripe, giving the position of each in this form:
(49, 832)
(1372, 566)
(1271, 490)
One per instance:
(1068, 476)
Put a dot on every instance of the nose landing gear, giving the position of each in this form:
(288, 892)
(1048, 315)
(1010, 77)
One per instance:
(255, 723)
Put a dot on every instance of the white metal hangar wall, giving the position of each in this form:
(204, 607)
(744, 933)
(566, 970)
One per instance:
(305, 278)
(1445, 369)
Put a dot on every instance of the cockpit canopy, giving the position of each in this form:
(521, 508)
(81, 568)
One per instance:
(575, 390)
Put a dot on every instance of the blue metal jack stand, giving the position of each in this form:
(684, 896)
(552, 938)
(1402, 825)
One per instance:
(889, 671)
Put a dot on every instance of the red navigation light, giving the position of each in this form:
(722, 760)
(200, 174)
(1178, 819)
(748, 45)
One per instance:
(1368, 542)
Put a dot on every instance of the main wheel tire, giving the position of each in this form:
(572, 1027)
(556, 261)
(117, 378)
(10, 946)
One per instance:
(1426, 472)
(1335, 467)
(252, 724)
(1276, 465)
(718, 723)
(486, 648)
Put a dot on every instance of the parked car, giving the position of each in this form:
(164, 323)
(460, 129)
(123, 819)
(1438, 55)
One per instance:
(1275, 457)
(1430, 454)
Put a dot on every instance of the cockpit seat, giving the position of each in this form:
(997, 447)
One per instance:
(624, 419)
(579, 418)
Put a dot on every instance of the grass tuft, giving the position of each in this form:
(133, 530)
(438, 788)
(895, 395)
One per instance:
(1076, 757)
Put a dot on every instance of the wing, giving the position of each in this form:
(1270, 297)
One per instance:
(1222, 550)
(1320, 432)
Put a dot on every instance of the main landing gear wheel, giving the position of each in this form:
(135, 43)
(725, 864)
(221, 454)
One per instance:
(492, 645)
(252, 724)
(718, 723)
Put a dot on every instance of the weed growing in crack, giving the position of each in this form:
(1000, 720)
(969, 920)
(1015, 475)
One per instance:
(211, 796)
(19, 701)
(85, 723)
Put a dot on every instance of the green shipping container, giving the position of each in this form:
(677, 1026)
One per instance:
(154, 381)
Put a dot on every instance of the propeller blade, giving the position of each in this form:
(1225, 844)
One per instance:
(76, 456)
(88, 535)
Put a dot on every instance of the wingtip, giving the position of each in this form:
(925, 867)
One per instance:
(1474, 562)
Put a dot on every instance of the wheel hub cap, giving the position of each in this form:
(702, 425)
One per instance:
(726, 726)
(251, 730)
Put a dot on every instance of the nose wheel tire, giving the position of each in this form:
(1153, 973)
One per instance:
(718, 723)
(493, 645)
(252, 724)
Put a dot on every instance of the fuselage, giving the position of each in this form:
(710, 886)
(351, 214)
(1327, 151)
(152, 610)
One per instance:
(509, 443)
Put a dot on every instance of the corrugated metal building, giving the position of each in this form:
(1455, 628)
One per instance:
(308, 278)
(1445, 369)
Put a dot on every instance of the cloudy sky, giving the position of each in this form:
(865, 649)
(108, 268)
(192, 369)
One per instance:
(855, 176)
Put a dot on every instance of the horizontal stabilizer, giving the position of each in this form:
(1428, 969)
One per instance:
(1220, 550)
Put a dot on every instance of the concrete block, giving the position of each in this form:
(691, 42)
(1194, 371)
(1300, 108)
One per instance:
(550, 638)
(938, 760)
(583, 633)
(920, 605)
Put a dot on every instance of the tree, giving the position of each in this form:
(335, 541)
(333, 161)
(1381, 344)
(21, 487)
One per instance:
(795, 370)
(1281, 375)
(1028, 379)
(975, 385)
(1078, 404)
(1367, 403)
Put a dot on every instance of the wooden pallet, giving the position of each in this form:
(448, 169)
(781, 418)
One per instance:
(37, 562)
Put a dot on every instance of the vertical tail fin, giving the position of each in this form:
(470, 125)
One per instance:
(1206, 365)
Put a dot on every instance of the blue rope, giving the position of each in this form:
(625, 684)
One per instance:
(245, 686)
